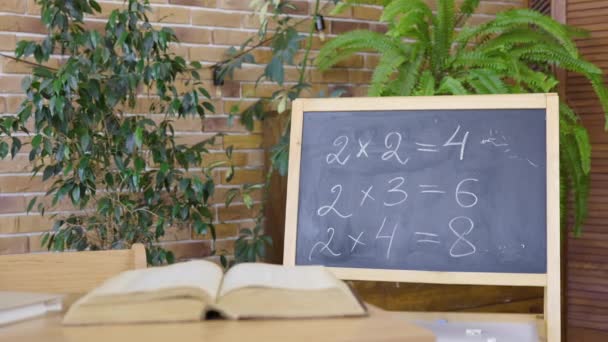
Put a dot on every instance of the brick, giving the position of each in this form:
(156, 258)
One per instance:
(229, 89)
(224, 245)
(338, 27)
(190, 124)
(301, 8)
(236, 212)
(222, 230)
(107, 8)
(252, 21)
(262, 56)
(8, 42)
(354, 61)
(207, 53)
(176, 234)
(25, 183)
(192, 35)
(91, 25)
(244, 176)
(13, 103)
(230, 37)
(10, 84)
(18, 164)
(360, 91)
(15, 6)
(11, 66)
(216, 19)
(35, 243)
(12, 204)
(2, 105)
(13, 245)
(33, 223)
(262, 90)
(317, 90)
(367, 13)
(33, 7)
(360, 76)
(243, 141)
(219, 196)
(221, 124)
(178, 50)
(234, 4)
(380, 28)
(191, 139)
(172, 15)
(326, 11)
(183, 250)
(330, 76)
(199, 3)
(253, 158)
(8, 224)
(371, 61)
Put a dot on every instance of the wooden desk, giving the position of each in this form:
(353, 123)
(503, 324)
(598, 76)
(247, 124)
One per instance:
(379, 326)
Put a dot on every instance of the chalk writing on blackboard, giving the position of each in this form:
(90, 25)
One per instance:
(436, 190)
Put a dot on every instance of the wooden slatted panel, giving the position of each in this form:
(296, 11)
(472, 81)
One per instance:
(587, 256)
(543, 6)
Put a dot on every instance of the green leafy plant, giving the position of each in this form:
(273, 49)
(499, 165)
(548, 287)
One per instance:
(289, 48)
(436, 53)
(124, 174)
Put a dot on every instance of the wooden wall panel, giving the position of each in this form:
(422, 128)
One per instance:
(587, 256)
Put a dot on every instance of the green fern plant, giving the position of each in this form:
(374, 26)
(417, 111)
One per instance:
(436, 53)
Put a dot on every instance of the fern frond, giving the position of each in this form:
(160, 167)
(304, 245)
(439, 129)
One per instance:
(487, 80)
(597, 82)
(537, 82)
(517, 36)
(584, 148)
(426, 84)
(545, 54)
(580, 181)
(398, 8)
(442, 34)
(478, 59)
(467, 9)
(411, 25)
(532, 19)
(345, 45)
(451, 86)
(566, 113)
(387, 66)
(408, 75)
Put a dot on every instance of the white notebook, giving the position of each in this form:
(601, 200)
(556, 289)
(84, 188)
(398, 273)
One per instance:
(18, 306)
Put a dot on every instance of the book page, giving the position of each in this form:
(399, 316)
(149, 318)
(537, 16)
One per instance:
(201, 274)
(278, 276)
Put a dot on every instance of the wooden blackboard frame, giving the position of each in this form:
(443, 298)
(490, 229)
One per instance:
(549, 280)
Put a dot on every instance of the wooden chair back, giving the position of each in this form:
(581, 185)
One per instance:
(66, 272)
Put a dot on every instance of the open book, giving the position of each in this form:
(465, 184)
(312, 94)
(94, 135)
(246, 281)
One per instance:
(195, 290)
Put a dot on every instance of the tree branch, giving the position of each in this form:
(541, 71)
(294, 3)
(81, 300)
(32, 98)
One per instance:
(28, 62)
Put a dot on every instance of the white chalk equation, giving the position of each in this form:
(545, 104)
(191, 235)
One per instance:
(393, 150)
(395, 193)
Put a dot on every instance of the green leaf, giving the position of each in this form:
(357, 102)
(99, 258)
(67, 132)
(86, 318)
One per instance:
(76, 194)
(247, 200)
(139, 136)
(30, 205)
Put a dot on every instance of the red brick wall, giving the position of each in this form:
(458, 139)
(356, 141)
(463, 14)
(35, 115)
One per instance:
(206, 28)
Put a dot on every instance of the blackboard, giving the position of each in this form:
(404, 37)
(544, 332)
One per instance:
(487, 164)
(432, 190)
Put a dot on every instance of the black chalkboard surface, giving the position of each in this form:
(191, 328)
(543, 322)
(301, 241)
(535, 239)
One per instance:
(432, 190)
